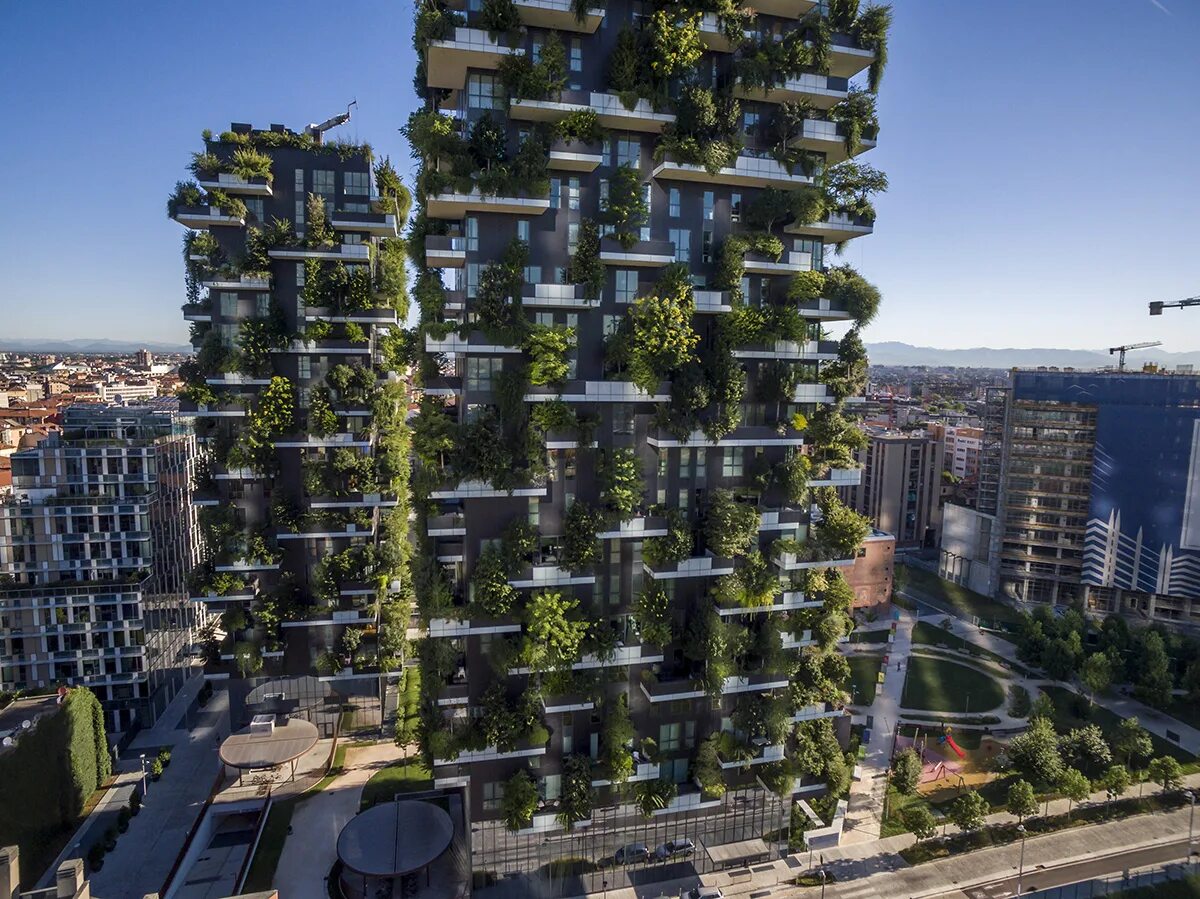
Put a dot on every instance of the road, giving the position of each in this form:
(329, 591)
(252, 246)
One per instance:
(1042, 878)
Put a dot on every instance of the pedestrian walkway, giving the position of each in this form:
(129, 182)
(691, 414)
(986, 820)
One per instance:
(145, 854)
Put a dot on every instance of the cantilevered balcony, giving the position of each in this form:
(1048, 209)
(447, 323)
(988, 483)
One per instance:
(444, 251)
(696, 567)
(236, 184)
(450, 524)
(475, 343)
(380, 224)
(759, 753)
(491, 754)
(812, 393)
(746, 436)
(455, 205)
(785, 519)
(837, 228)
(816, 711)
(638, 528)
(325, 348)
(354, 501)
(197, 312)
(642, 117)
(826, 476)
(789, 9)
(784, 602)
(620, 657)
(597, 392)
(453, 627)
(846, 58)
(309, 441)
(442, 387)
(559, 15)
(642, 254)
(557, 296)
(447, 61)
(484, 490)
(201, 218)
(790, 350)
(747, 171)
(712, 302)
(788, 264)
(713, 35)
(379, 315)
(340, 252)
(829, 138)
(822, 309)
(822, 91)
(538, 576)
(243, 282)
(793, 562)
(574, 156)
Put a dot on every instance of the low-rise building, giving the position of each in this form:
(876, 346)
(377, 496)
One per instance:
(873, 571)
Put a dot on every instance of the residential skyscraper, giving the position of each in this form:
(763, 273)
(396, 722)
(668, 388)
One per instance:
(900, 484)
(633, 417)
(95, 542)
(296, 285)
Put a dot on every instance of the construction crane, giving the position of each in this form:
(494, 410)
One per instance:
(1157, 307)
(318, 130)
(1131, 346)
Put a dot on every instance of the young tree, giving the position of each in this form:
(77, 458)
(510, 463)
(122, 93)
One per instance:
(1075, 786)
(1022, 800)
(519, 801)
(1165, 772)
(906, 771)
(1154, 675)
(1096, 674)
(1086, 749)
(620, 478)
(920, 821)
(575, 802)
(1132, 743)
(1115, 781)
(652, 614)
(554, 639)
(730, 527)
(1043, 707)
(969, 810)
(1035, 753)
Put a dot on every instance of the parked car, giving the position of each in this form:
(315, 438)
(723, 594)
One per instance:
(674, 849)
(632, 852)
(702, 893)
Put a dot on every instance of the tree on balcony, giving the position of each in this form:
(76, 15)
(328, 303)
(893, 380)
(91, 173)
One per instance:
(804, 287)
(654, 795)
(847, 375)
(575, 799)
(652, 614)
(580, 547)
(580, 124)
(498, 296)
(186, 193)
(501, 17)
(616, 734)
(842, 530)
(767, 61)
(519, 801)
(675, 546)
(619, 474)
(849, 186)
(674, 45)
(544, 79)
(318, 230)
(656, 337)
(730, 527)
(554, 637)
(705, 644)
(762, 715)
(706, 768)
(321, 419)
(753, 583)
(846, 288)
(706, 131)
(585, 266)
(546, 347)
(624, 210)
(857, 117)
(491, 592)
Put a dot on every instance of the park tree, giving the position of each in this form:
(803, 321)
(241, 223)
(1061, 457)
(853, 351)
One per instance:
(1132, 743)
(969, 811)
(1115, 781)
(1075, 786)
(906, 771)
(1043, 707)
(920, 821)
(1154, 674)
(1085, 748)
(1166, 772)
(1096, 674)
(1035, 753)
(1022, 800)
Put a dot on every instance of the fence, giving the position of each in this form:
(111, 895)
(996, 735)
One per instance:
(1116, 884)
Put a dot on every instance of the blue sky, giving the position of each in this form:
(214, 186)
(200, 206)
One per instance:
(1042, 155)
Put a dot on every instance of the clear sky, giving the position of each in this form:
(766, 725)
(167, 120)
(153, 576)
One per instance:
(1042, 153)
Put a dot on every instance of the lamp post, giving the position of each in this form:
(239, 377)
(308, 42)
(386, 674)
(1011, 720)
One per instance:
(142, 759)
(1191, 821)
(1021, 865)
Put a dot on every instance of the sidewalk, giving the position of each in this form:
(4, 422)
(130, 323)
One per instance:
(145, 854)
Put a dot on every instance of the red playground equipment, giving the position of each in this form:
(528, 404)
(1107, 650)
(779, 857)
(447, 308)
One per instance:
(949, 741)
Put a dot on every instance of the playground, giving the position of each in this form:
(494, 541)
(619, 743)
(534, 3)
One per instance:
(946, 764)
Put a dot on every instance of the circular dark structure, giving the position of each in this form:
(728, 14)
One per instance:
(395, 838)
(302, 692)
(263, 746)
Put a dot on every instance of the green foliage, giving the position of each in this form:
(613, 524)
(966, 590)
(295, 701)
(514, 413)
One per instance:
(857, 117)
(847, 289)
(849, 187)
(619, 475)
(318, 231)
(1021, 799)
(575, 799)
(653, 795)
(842, 530)
(730, 527)
(706, 768)
(969, 811)
(250, 163)
(652, 615)
(554, 638)
(1086, 749)
(580, 547)
(546, 347)
(906, 771)
(804, 287)
(581, 125)
(1035, 753)
(1166, 772)
(498, 297)
(624, 64)
(675, 546)
(1075, 786)
(519, 801)
(624, 209)
(542, 80)
(1132, 742)
(706, 130)
(615, 735)
(585, 266)
(847, 375)
(871, 31)
(674, 43)
(1115, 781)
(753, 583)
(920, 821)
(186, 193)
(656, 336)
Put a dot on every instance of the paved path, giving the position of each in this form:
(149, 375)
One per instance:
(311, 847)
(145, 854)
(864, 816)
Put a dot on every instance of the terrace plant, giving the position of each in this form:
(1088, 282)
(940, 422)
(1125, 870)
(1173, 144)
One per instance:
(858, 118)
(580, 547)
(706, 768)
(541, 80)
(656, 337)
(575, 799)
(675, 546)
(322, 421)
(250, 163)
(518, 801)
(674, 44)
(619, 474)
(582, 125)
(501, 17)
(186, 193)
(706, 130)
(730, 527)
(846, 288)
(654, 795)
(752, 584)
(490, 589)
(546, 347)
(652, 615)
(585, 266)
(624, 210)
(554, 637)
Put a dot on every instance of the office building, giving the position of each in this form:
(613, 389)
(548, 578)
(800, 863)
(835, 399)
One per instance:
(900, 485)
(95, 542)
(633, 418)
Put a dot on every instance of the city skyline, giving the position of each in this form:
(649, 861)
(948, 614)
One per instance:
(940, 133)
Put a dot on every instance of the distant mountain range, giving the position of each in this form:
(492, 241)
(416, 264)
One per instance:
(895, 353)
(85, 345)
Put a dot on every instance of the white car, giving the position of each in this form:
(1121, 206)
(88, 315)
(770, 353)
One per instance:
(702, 893)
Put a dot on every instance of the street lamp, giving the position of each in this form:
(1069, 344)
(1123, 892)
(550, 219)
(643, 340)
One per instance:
(1021, 866)
(142, 759)
(1191, 821)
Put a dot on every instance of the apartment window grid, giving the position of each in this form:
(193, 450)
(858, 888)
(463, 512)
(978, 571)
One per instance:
(576, 55)
(555, 193)
(648, 199)
(229, 304)
(533, 274)
(484, 92)
(709, 203)
(472, 241)
(733, 462)
(323, 183)
(673, 202)
(572, 235)
(472, 284)
(629, 152)
(356, 183)
(682, 238)
(522, 230)
(573, 193)
(626, 285)
(735, 208)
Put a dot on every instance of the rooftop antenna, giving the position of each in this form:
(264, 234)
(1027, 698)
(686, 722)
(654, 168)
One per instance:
(318, 130)
(1130, 346)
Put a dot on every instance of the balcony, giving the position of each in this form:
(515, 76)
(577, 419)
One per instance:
(565, 704)
(536, 576)
(812, 393)
(621, 657)
(473, 344)
(790, 350)
(642, 771)
(786, 519)
(491, 754)
(451, 627)
(613, 114)
(756, 754)
(643, 253)
(455, 205)
(558, 15)
(816, 711)
(597, 392)
(712, 35)
(308, 441)
(443, 251)
(746, 435)
(823, 310)
(829, 138)
(637, 528)
(789, 601)
(483, 490)
(793, 562)
(201, 218)
(573, 156)
(236, 379)
(342, 252)
(836, 477)
(454, 695)
(197, 312)
(242, 283)
(698, 566)
(846, 58)
(789, 9)
(557, 296)
(211, 598)
(798, 641)
(471, 48)
(789, 263)
(349, 531)
(379, 315)
(747, 171)
(442, 387)
(711, 302)
(690, 799)
(822, 91)
(453, 524)
(837, 228)
(355, 501)
(326, 348)
(236, 184)
(379, 224)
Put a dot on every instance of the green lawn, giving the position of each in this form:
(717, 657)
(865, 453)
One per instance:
(864, 673)
(270, 845)
(1065, 719)
(932, 635)
(870, 636)
(939, 685)
(403, 777)
(964, 602)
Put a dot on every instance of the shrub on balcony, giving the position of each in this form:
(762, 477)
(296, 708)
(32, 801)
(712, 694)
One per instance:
(206, 165)
(624, 210)
(575, 798)
(847, 376)
(654, 795)
(705, 644)
(845, 287)
(652, 615)
(674, 43)
(257, 337)
(767, 62)
(582, 125)
(585, 266)
(730, 527)
(763, 715)
(553, 637)
(580, 547)
(616, 734)
(753, 583)
(834, 437)
(433, 23)
(318, 231)
(519, 801)
(498, 296)
(490, 589)
(857, 117)
(249, 163)
(546, 347)
(804, 287)
(321, 418)
(871, 31)
(247, 659)
(731, 259)
(500, 17)
(706, 767)
(655, 338)
(842, 530)
(706, 130)
(186, 193)
(234, 207)
(218, 524)
(542, 80)
(619, 474)
(625, 67)
(849, 187)
(794, 472)
(675, 546)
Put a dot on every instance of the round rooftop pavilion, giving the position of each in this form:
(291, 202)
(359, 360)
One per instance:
(392, 839)
(269, 742)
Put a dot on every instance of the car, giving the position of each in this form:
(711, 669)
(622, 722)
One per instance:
(674, 849)
(632, 852)
(702, 893)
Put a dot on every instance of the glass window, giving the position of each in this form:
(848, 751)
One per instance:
(357, 183)
(735, 208)
(299, 182)
(815, 248)
(537, 50)
(484, 92)
(481, 370)
(323, 183)
(627, 285)
(522, 231)
(708, 205)
(706, 244)
(300, 274)
(629, 152)
(262, 305)
(472, 279)
(304, 368)
(551, 787)
(750, 120)
(555, 193)
(673, 203)
(647, 197)
(611, 324)
(573, 193)
(572, 235)
(533, 274)
(669, 736)
(685, 463)
(603, 193)
(472, 235)
(568, 739)
(254, 206)
(493, 791)
(682, 238)
(732, 461)
(300, 214)
(576, 55)
(228, 304)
